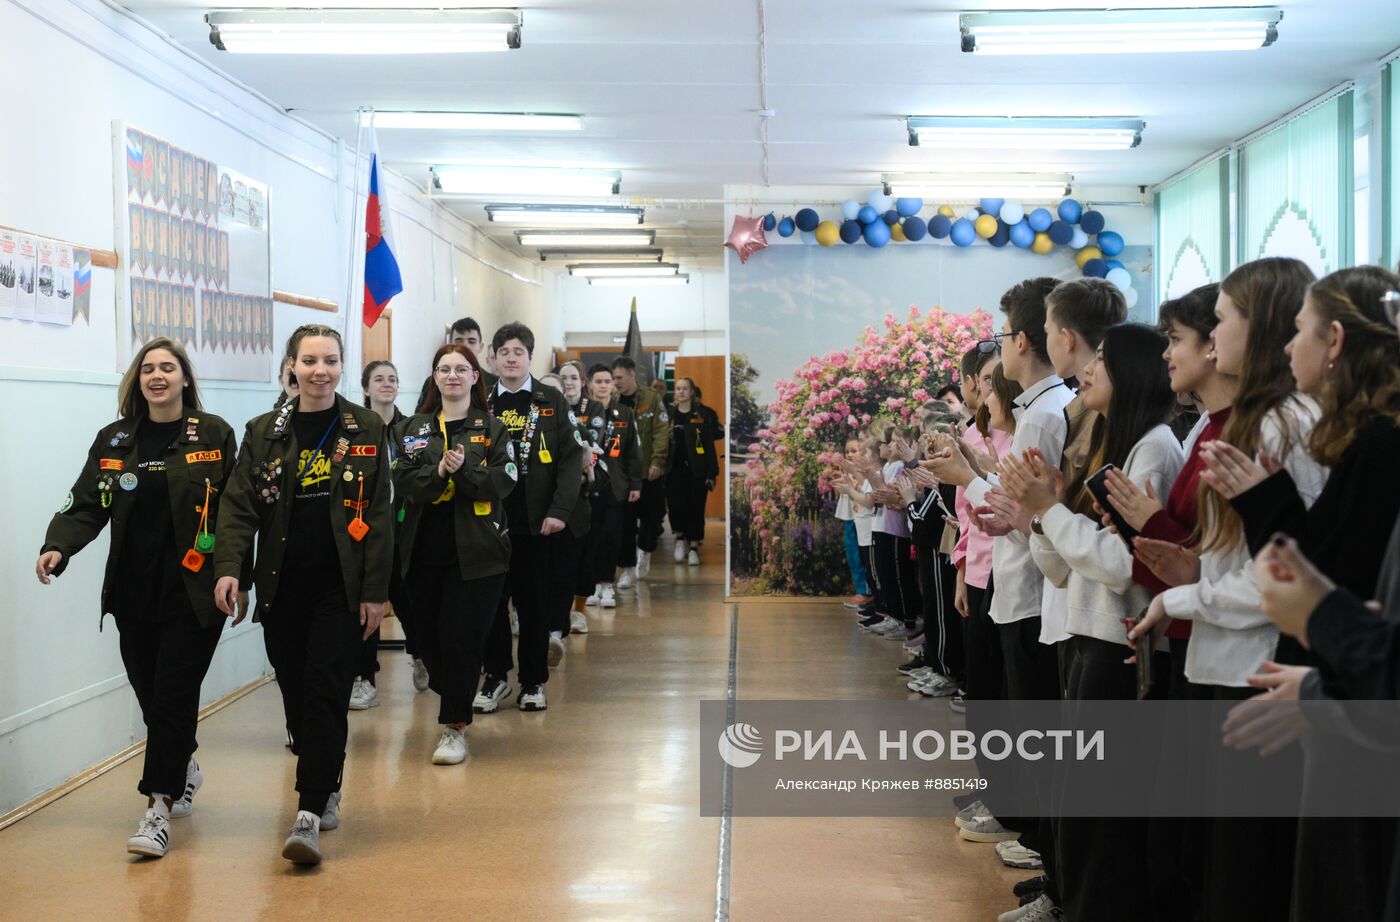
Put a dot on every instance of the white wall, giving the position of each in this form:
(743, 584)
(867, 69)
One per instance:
(64, 700)
(695, 316)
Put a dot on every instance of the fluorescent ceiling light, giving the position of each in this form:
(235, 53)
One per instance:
(504, 180)
(479, 121)
(586, 238)
(1033, 32)
(995, 132)
(566, 215)
(602, 256)
(639, 283)
(367, 31)
(969, 187)
(622, 270)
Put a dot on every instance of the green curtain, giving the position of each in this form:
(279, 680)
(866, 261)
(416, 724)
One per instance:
(1390, 163)
(1193, 229)
(1300, 171)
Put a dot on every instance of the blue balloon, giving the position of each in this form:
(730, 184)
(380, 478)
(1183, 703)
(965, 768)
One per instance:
(880, 201)
(807, 220)
(877, 233)
(867, 215)
(1111, 243)
(1061, 232)
(1114, 264)
(849, 209)
(1070, 210)
(914, 228)
(940, 226)
(891, 217)
(1095, 268)
(1002, 237)
(809, 238)
(1021, 234)
(1091, 221)
(1040, 220)
(908, 207)
(850, 230)
(786, 227)
(769, 221)
(991, 206)
(963, 232)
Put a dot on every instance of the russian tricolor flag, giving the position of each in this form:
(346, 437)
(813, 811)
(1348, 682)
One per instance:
(382, 278)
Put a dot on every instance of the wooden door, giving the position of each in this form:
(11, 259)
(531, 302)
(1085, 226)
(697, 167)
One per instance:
(711, 374)
(378, 341)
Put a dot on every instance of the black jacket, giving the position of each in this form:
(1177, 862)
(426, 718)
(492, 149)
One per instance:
(622, 455)
(551, 488)
(693, 438)
(205, 451)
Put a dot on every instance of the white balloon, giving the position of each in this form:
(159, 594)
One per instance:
(1080, 239)
(809, 237)
(972, 214)
(849, 209)
(1012, 213)
(1131, 296)
(880, 201)
(1121, 278)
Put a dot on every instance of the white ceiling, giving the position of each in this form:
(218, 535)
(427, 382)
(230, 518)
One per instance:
(669, 91)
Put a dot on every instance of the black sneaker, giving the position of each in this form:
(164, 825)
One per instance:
(532, 698)
(1030, 887)
(916, 663)
(871, 621)
(493, 692)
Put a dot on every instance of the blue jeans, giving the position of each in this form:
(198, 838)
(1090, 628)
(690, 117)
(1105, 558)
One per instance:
(856, 561)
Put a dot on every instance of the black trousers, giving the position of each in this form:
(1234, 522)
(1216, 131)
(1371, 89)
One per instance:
(313, 637)
(986, 676)
(899, 577)
(561, 579)
(531, 557)
(685, 499)
(872, 553)
(166, 662)
(943, 629)
(598, 553)
(454, 616)
(641, 525)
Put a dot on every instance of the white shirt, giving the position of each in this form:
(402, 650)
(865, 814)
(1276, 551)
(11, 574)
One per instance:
(528, 385)
(1040, 424)
(1230, 635)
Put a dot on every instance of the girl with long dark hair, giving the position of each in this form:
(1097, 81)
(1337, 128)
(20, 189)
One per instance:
(695, 430)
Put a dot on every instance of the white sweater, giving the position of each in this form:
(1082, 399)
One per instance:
(1231, 636)
(1094, 563)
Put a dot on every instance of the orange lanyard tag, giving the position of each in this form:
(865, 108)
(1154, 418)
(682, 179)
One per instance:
(357, 527)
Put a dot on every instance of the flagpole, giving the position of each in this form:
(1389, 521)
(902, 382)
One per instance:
(350, 311)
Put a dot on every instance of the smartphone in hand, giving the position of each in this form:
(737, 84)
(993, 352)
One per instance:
(1098, 486)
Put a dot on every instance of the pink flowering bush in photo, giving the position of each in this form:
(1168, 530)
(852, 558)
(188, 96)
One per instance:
(796, 543)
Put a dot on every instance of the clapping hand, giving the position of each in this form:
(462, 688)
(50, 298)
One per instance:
(1134, 505)
(1033, 484)
(1231, 471)
(1171, 563)
(452, 461)
(1290, 587)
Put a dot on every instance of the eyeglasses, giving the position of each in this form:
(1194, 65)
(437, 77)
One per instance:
(457, 371)
(1390, 303)
(988, 346)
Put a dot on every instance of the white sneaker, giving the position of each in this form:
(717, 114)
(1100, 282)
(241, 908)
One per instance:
(578, 623)
(532, 698)
(556, 648)
(492, 693)
(194, 780)
(628, 579)
(680, 550)
(330, 817)
(694, 558)
(420, 675)
(1015, 855)
(609, 596)
(889, 624)
(152, 837)
(898, 632)
(451, 749)
(363, 695)
(643, 564)
(1040, 909)
(985, 829)
(937, 686)
(596, 597)
(303, 846)
(923, 672)
(971, 812)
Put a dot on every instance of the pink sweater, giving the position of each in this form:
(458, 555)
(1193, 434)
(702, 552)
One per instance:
(973, 552)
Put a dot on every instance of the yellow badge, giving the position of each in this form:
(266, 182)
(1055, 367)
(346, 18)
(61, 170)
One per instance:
(545, 456)
(195, 457)
(481, 508)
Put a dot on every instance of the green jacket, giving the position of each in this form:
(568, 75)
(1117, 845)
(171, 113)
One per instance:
(551, 488)
(693, 439)
(623, 455)
(204, 452)
(270, 444)
(654, 426)
(481, 486)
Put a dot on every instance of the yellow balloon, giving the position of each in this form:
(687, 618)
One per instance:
(947, 211)
(1086, 254)
(1043, 244)
(828, 233)
(897, 232)
(985, 226)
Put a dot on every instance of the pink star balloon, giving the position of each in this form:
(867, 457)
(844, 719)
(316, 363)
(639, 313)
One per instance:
(746, 237)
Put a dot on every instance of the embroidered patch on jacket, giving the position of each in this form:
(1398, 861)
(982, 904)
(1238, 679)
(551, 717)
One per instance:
(364, 451)
(195, 457)
(110, 464)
